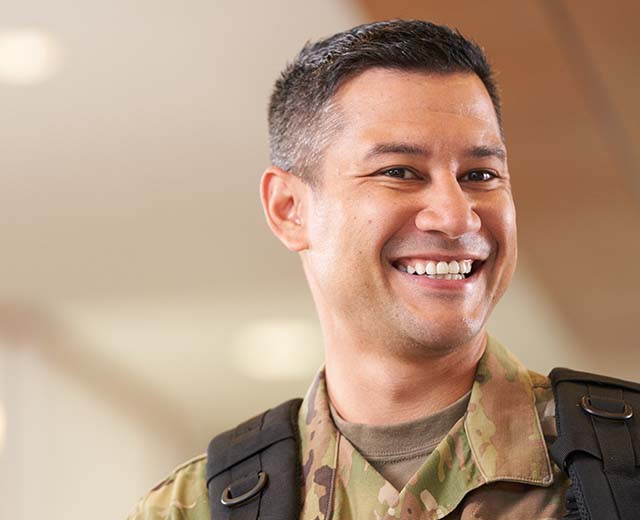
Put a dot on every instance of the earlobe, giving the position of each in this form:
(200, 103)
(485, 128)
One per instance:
(283, 201)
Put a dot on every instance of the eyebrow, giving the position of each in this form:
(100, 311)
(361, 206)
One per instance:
(400, 148)
(396, 148)
(487, 151)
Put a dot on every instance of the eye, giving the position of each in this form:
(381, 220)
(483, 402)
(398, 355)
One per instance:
(399, 173)
(480, 176)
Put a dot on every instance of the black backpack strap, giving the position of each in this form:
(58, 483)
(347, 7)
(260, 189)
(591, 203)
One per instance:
(253, 470)
(598, 444)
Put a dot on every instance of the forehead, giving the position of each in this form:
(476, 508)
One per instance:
(399, 102)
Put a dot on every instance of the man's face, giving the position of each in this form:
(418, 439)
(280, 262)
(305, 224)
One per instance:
(415, 179)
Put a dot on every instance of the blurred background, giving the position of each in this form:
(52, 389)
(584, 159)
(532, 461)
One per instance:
(144, 304)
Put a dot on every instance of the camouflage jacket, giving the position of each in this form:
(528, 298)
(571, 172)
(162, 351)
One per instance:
(493, 464)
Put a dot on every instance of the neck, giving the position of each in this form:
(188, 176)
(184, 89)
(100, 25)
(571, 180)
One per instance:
(388, 389)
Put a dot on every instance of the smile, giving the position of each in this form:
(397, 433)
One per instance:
(437, 269)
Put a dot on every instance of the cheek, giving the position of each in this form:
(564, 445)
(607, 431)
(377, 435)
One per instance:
(500, 222)
(383, 219)
(332, 231)
(499, 219)
(353, 224)
(510, 234)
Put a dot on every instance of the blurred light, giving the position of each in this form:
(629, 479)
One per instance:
(3, 427)
(278, 350)
(28, 57)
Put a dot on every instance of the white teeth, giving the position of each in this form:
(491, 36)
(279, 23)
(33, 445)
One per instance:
(442, 268)
(454, 270)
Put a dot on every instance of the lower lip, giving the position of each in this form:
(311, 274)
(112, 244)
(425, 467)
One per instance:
(423, 280)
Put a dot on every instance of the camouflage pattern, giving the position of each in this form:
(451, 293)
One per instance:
(493, 464)
(181, 496)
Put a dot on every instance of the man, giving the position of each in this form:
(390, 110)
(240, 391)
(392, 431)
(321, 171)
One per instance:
(390, 180)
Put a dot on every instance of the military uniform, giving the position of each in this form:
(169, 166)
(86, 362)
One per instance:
(493, 464)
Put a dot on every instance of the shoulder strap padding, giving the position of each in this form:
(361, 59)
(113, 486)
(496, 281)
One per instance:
(601, 455)
(266, 443)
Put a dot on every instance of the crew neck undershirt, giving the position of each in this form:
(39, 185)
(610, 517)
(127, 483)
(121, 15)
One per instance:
(397, 451)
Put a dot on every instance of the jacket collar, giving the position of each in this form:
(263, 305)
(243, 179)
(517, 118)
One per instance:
(500, 438)
(502, 424)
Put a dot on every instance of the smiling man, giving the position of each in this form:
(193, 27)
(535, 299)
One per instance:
(390, 180)
(407, 238)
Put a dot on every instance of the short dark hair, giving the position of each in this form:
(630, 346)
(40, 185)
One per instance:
(301, 115)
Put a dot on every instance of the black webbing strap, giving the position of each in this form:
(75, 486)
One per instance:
(254, 468)
(598, 444)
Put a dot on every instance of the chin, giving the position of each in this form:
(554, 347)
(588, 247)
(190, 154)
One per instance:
(445, 337)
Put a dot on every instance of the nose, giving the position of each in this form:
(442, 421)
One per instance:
(447, 209)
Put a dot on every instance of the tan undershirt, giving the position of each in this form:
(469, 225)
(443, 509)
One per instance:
(397, 451)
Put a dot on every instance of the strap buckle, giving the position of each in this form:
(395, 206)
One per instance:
(229, 501)
(591, 409)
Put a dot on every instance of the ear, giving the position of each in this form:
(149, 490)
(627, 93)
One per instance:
(283, 196)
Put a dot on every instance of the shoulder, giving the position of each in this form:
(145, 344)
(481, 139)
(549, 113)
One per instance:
(180, 496)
